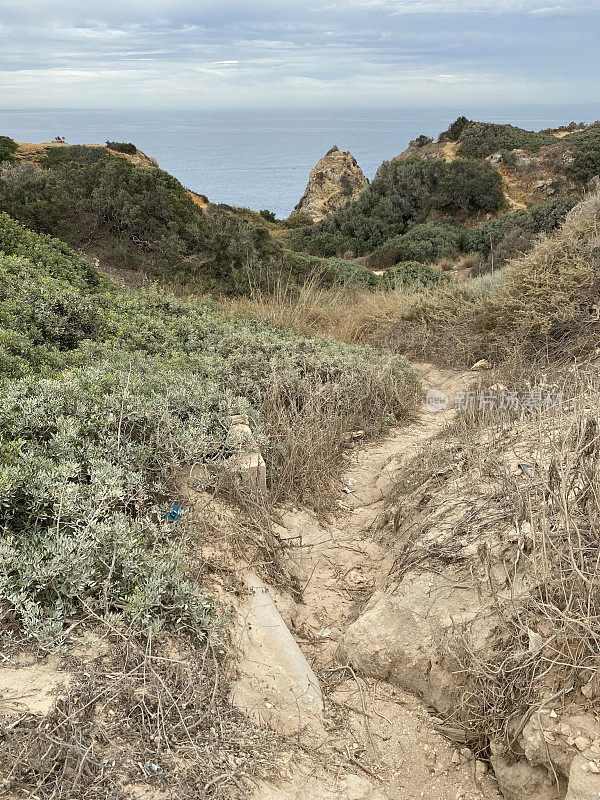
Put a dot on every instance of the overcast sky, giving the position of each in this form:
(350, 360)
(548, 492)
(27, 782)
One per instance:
(261, 53)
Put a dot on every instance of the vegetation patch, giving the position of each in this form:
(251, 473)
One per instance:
(122, 147)
(513, 234)
(136, 217)
(411, 273)
(549, 295)
(426, 243)
(104, 394)
(403, 193)
(586, 158)
(481, 139)
(8, 147)
(334, 272)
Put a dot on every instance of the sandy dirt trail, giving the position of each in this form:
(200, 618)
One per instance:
(375, 741)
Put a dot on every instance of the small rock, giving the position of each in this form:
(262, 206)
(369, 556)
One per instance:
(481, 769)
(590, 690)
(581, 743)
(535, 644)
(594, 767)
(565, 729)
(481, 364)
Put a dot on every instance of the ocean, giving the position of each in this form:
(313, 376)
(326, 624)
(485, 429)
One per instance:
(261, 158)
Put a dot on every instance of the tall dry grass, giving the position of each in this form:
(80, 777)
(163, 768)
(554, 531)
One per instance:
(547, 306)
(545, 628)
(436, 325)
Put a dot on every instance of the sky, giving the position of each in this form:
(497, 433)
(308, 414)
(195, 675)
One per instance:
(205, 54)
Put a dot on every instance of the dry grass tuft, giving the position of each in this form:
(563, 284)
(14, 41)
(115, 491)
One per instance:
(548, 304)
(464, 263)
(142, 721)
(538, 540)
(437, 325)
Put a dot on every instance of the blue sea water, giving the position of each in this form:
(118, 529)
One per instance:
(261, 158)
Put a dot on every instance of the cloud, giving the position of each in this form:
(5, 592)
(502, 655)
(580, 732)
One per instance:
(465, 6)
(209, 53)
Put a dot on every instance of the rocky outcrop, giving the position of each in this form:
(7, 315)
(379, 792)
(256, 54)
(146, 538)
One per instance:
(528, 178)
(29, 151)
(334, 181)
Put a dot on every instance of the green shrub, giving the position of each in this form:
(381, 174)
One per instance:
(80, 154)
(122, 147)
(302, 268)
(8, 147)
(465, 187)
(425, 243)
(412, 273)
(402, 194)
(455, 130)
(104, 395)
(298, 220)
(421, 141)
(586, 158)
(481, 139)
(138, 218)
(268, 215)
(515, 233)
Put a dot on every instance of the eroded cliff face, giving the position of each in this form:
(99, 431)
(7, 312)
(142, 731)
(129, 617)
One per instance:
(334, 181)
(35, 152)
(527, 178)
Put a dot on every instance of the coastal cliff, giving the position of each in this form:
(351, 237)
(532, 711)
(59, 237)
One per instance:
(35, 152)
(334, 181)
(530, 175)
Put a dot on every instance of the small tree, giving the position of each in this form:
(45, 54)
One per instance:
(8, 147)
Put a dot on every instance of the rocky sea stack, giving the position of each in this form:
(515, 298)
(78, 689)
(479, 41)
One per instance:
(334, 181)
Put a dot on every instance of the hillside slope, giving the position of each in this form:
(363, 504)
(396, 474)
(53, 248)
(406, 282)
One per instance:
(535, 167)
(481, 189)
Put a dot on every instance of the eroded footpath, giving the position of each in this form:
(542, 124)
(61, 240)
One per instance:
(362, 737)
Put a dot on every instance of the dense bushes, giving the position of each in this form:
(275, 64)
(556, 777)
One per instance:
(412, 273)
(515, 233)
(122, 147)
(468, 188)
(586, 158)
(481, 139)
(104, 393)
(135, 217)
(8, 147)
(142, 218)
(300, 268)
(403, 193)
(426, 243)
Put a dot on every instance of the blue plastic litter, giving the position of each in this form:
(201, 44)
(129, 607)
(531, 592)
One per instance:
(173, 514)
(526, 468)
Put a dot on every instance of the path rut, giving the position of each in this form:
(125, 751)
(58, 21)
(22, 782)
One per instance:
(375, 742)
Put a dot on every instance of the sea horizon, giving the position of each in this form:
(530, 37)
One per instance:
(261, 158)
